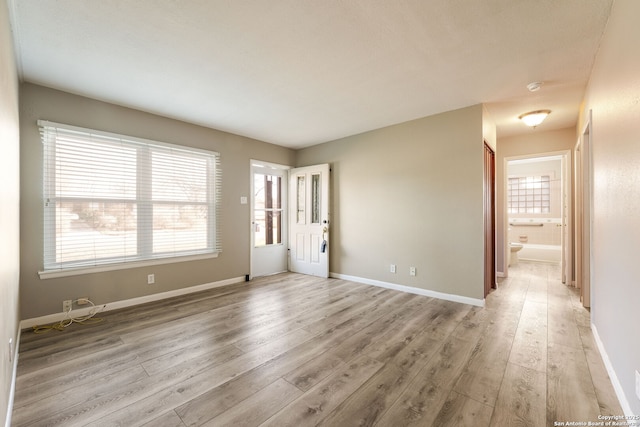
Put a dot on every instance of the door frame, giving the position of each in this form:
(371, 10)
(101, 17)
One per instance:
(567, 189)
(583, 229)
(253, 163)
(489, 201)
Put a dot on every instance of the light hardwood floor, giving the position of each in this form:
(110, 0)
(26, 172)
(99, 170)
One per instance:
(292, 350)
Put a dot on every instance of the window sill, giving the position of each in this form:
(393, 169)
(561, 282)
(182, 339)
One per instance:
(53, 274)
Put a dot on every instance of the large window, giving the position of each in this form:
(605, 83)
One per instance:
(112, 199)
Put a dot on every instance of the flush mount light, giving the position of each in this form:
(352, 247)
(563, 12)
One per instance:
(534, 118)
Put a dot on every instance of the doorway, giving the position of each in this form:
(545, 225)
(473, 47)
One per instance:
(537, 192)
(269, 219)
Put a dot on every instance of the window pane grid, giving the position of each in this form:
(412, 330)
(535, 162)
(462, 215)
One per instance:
(114, 199)
(530, 194)
(267, 201)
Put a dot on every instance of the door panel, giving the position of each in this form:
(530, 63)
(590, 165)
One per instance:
(309, 213)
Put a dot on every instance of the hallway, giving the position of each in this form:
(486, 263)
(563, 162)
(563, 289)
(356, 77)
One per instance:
(553, 360)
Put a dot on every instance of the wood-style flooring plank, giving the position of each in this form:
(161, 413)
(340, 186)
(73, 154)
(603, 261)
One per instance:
(472, 324)
(168, 419)
(562, 326)
(462, 411)
(607, 399)
(144, 406)
(522, 398)
(300, 362)
(420, 401)
(529, 347)
(359, 342)
(259, 407)
(38, 408)
(570, 392)
(316, 404)
(482, 376)
(310, 373)
(403, 360)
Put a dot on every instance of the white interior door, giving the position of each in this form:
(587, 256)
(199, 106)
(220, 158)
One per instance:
(309, 220)
(268, 219)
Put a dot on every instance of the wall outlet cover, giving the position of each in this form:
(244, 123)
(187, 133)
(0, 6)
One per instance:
(151, 279)
(392, 268)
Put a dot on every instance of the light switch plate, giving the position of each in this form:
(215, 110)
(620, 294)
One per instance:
(243, 200)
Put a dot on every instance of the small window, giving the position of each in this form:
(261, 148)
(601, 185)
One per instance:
(315, 199)
(301, 200)
(111, 199)
(529, 195)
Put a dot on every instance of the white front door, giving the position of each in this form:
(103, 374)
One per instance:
(268, 218)
(309, 220)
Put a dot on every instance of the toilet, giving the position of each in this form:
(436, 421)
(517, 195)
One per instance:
(514, 248)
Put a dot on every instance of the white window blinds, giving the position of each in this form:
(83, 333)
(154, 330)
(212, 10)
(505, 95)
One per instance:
(111, 199)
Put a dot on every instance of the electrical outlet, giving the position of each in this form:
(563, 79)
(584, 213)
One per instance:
(151, 279)
(392, 268)
(638, 384)
(412, 271)
(67, 305)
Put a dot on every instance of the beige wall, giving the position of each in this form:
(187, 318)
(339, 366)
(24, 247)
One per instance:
(410, 195)
(9, 208)
(42, 297)
(532, 142)
(613, 96)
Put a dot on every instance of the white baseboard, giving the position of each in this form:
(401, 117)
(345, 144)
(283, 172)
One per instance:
(56, 317)
(500, 274)
(411, 290)
(14, 374)
(622, 398)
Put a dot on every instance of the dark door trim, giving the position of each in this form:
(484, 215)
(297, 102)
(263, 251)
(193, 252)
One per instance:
(489, 182)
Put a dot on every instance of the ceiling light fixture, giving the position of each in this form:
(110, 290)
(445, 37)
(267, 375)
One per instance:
(534, 118)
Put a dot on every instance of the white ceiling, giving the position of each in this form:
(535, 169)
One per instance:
(301, 72)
